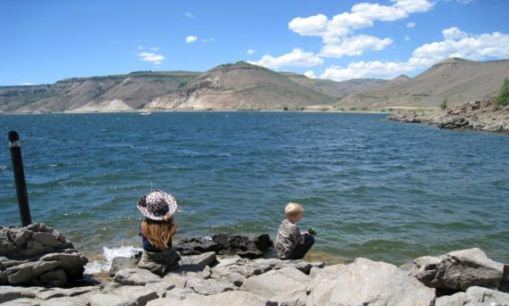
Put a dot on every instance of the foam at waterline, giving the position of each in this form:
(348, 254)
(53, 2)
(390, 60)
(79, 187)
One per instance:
(104, 264)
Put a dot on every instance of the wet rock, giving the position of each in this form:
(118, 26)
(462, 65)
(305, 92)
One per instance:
(226, 244)
(136, 277)
(122, 263)
(457, 270)
(368, 283)
(478, 115)
(407, 117)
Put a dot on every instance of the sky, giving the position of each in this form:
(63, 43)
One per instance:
(43, 41)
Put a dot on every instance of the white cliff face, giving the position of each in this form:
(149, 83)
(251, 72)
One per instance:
(110, 106)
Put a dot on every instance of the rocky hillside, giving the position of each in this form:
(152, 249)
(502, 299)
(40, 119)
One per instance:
(245, 86)
(479, 115)
(241, 86)
(231, 86)
(107, 93)
(457, 80)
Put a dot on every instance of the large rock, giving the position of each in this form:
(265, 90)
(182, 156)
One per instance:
(276, 282)
(368, 283)
(475, 296)
(208, 286)
(38, 255)
(457, 270)
(136, 277)
(229, 298)
(198, 262)
(122, 263)
(226, 244)
(33, 240)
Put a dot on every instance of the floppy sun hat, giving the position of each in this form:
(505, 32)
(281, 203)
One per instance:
(157, 205)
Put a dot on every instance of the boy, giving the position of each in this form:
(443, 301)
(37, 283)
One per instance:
(290, 242)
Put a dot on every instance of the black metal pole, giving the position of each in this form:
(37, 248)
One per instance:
(19, 178)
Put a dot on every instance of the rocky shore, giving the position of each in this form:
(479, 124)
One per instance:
(232, 270)
(478, 116)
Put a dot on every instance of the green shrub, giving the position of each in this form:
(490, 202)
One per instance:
(443, 106)
(503, 96)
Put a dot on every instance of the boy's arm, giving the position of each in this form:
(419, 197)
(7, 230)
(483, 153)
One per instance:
(297, 235)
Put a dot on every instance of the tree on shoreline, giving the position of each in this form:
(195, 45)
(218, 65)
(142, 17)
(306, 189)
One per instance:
(502, 99)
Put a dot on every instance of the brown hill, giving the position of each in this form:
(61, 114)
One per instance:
(336, 89)
(106, 93)
(455, 79)
(241, 86)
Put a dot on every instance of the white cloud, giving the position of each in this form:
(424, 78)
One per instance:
(453, 33)
(310, 74)
(361, 15)
(338, 32)
(188, 15)
(355, 45)
(411, 25)
(207, 40)
(309, 26)
(407, 38)
(456, 43)
(27, 83)
(295, 58)
(151, 57)
(250, 51)
(191, 39)
(374, 69)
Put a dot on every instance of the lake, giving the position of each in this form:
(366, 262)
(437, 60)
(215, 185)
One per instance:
(370, 187)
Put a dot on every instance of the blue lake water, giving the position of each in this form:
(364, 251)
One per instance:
(370, 187)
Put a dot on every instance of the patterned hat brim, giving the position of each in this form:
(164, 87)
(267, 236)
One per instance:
(168, 200)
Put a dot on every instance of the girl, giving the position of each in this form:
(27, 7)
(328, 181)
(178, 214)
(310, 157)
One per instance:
(157, 231)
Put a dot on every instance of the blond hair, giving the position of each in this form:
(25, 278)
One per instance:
(293, 209)
(158, 233)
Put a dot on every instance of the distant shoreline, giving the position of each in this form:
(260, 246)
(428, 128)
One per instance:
(311, 111)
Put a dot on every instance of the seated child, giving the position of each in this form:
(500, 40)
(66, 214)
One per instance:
(156, 231)
(290, 242)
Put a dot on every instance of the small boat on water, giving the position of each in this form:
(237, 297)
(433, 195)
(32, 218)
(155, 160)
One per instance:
(145, 113)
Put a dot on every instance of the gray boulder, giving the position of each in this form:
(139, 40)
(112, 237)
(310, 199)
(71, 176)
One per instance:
(136, 277)
(368, 283)
(457, 270)
(475, 296)
(226, 244)
(122, 263)
(276, 282)
(198, 262)
(38, 255)
(208, 286)
(237, 298)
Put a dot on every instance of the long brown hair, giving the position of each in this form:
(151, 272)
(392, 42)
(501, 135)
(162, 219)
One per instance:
(159, 233)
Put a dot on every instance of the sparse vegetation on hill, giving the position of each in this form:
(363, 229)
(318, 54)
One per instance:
(502, 99)
(443, 106)
(242, 85)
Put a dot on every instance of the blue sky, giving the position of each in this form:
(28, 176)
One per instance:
(43, 41)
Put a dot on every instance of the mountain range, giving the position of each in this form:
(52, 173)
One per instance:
(243, 86)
